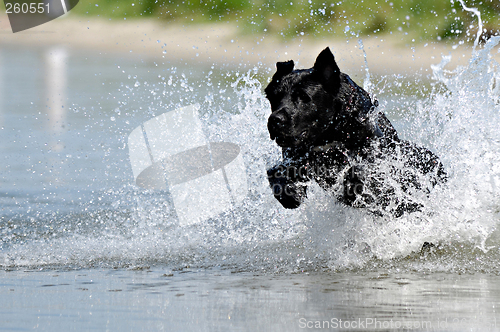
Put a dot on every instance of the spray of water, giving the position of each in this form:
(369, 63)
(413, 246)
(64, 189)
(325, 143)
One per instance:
(477, 13)
(130, 227)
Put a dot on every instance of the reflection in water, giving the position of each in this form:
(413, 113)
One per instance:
(1, 91)
(223, 301)
(55, 80)
(55, 63)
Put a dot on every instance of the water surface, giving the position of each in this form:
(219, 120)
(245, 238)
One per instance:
(82, 247)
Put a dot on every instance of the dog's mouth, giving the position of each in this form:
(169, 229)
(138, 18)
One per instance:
(283, 141)
(291, 141)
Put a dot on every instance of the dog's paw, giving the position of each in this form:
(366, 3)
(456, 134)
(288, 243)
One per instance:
(291, 195)
(288, 192)
(353, 185)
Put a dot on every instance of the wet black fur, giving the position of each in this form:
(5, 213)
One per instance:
(330, 132)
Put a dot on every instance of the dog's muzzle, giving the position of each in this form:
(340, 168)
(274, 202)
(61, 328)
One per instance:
(277, 124)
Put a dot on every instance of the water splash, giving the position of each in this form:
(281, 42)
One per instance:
(477, 13)
(130, 227)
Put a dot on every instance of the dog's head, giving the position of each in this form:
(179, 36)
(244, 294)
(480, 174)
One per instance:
(316, 106)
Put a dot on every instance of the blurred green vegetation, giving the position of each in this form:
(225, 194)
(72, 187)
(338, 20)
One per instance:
(419, 20)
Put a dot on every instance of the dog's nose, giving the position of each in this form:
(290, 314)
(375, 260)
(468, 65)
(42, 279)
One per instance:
(276, 123)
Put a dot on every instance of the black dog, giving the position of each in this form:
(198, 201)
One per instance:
(330, 132)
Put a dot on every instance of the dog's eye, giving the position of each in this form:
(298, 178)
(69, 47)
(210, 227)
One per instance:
(302, 95)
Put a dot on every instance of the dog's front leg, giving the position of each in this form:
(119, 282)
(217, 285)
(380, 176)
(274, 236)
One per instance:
(287, 183)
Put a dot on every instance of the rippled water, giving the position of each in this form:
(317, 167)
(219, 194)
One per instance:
(220, 301)
(69, 202)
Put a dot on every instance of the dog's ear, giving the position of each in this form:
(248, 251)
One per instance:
(282, 69)
(327, 69)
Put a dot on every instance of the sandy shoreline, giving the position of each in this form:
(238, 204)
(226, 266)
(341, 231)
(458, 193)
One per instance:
(223, 43)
